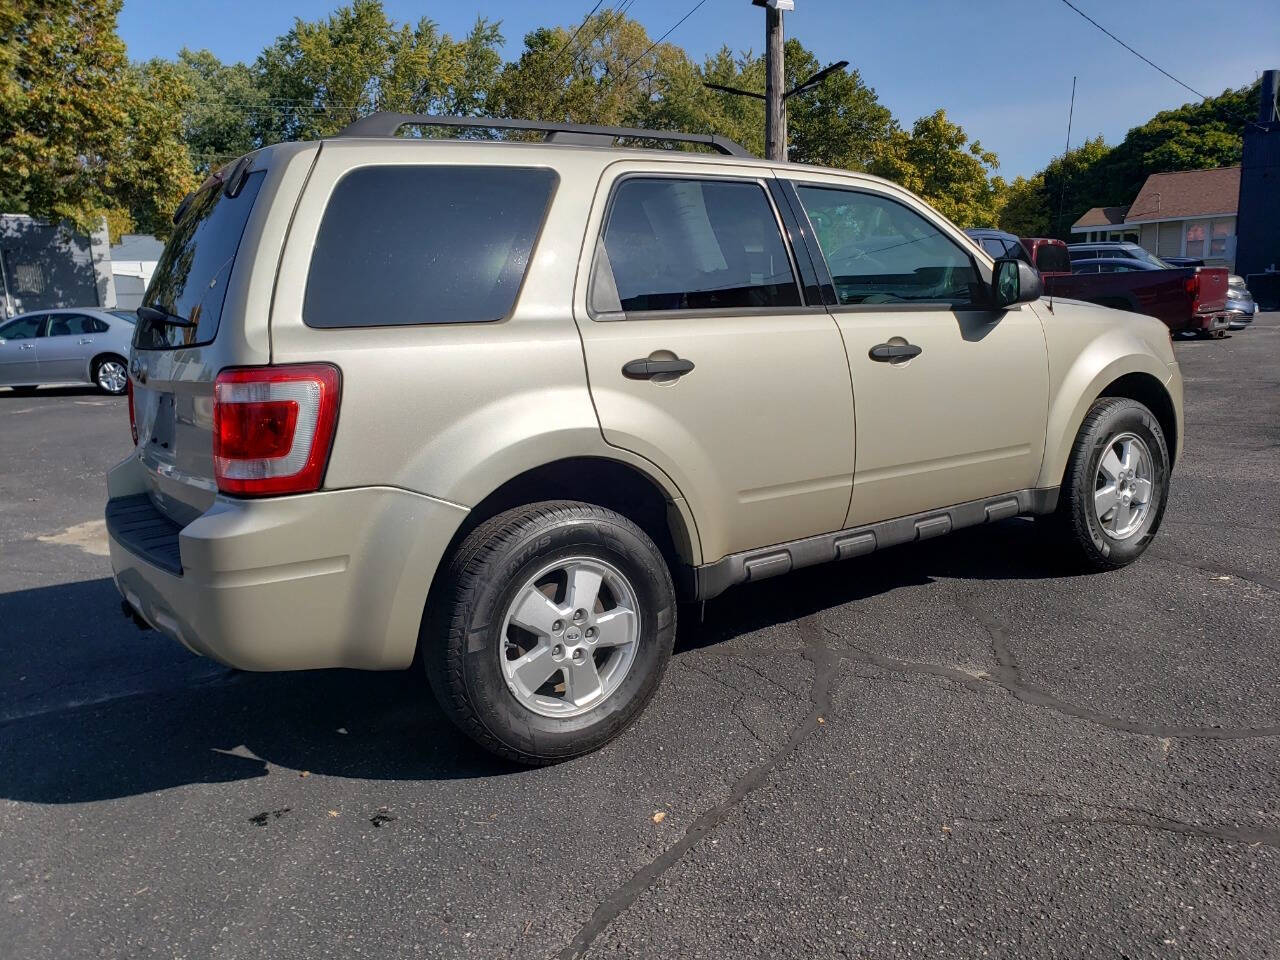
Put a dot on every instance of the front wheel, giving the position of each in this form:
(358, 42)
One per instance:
(1116, 485)
(551, 632)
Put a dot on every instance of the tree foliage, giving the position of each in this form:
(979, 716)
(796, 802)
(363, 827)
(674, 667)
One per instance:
(85, 134)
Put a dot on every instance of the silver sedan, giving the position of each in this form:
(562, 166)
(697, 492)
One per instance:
(66, 346)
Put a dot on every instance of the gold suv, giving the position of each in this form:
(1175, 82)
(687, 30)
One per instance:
(504, 405)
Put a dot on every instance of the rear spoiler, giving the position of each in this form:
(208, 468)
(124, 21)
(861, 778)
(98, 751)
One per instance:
(230, 178)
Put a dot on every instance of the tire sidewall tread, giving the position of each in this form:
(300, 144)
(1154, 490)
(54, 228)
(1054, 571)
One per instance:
(459, 632)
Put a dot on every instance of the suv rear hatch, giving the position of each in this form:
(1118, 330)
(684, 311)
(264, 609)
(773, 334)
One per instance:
(187, 332)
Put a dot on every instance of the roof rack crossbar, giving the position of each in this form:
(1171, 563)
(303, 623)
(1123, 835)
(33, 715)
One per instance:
(387, 124)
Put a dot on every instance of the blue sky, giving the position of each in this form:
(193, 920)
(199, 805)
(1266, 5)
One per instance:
(1002, 69)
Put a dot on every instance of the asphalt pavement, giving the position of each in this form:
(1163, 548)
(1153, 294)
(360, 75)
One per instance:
(956, 749)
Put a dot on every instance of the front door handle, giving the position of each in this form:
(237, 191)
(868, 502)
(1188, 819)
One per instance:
(646, 369)
(884, 352)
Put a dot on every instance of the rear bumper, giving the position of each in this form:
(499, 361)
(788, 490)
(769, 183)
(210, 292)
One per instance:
(331, 579)
(1208, 322)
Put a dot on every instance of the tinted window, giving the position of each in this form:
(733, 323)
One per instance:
(1085, 268)
(879, 251)
(692, 245)
(23, 329)
(66, 325)
(190, 279)
(993, 246)
(1051, 258)
(403, 245)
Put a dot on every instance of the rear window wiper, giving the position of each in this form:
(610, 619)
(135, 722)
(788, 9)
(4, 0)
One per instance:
(162, 316)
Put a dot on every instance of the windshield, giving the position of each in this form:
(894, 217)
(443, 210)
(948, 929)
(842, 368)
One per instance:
(190, 280)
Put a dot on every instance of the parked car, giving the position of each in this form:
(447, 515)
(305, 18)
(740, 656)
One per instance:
(1183, 261)
(1115, 250)
(1047, 255)
(82, 345)
(998, 244)
(499, 407)
(1188, 300)
(1240, 303)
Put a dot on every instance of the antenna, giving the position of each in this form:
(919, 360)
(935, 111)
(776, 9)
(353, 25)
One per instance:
(1062, 188)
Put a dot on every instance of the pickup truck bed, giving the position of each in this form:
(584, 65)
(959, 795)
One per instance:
(1186, 299)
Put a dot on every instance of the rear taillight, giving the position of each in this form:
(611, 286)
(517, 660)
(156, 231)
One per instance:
(273, 428)
(133, 420)
(1193, 290)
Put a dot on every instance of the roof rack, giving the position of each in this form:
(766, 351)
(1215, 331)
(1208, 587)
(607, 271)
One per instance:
(387, 124)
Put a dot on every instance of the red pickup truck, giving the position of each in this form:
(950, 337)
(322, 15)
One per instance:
(1187, 299)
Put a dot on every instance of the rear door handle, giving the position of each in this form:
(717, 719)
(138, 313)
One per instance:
(885, 352)
(645, 369)
(84, 340)
(26, 346)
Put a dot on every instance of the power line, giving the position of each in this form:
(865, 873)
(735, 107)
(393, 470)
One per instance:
(671, 29)
(1133, 51)
(555, 59)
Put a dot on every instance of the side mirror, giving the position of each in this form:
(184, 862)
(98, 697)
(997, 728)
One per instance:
(1014, 281)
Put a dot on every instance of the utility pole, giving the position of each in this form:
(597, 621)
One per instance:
(775, 109)
(774, 97)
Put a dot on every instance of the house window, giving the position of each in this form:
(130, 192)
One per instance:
(1194, 245)
(1220, 232)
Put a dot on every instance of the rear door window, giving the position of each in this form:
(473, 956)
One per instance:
(683, 244)
(1051, 258)
(404, 245)
(190, 279)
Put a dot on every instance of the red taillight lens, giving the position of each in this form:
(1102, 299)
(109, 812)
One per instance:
(1193, 289)
(273, 428)
(133, 419)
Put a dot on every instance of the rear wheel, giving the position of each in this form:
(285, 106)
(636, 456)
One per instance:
(1116, 484)
(111, 374)
(552, 630)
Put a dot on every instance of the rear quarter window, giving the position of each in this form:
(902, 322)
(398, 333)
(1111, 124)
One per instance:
(405, 245)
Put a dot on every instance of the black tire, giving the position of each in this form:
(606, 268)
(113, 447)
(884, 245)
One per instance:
(24, 391)
(1108, 419)
(97, 369)
(461, 642)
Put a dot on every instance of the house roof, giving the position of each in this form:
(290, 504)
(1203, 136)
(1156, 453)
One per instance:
(1102, 217)
(1185, 194)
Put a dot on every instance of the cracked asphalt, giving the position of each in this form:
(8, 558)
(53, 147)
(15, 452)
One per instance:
(957, 749)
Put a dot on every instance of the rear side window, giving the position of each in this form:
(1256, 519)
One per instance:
(676, 244)
(402, 245)
(1051, 258)
(994, 247)
(190, 280)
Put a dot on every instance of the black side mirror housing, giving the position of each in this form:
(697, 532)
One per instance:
(1014, 281)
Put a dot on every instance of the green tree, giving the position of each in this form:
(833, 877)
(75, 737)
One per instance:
(322, 75)
(937, 161)
(62, 118)
(1024, 207)
(838, 123)
(219, 114)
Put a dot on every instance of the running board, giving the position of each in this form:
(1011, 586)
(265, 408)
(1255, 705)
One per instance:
(712, 579)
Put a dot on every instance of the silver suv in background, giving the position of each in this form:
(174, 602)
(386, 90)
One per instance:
(83, 345)
(504, 405)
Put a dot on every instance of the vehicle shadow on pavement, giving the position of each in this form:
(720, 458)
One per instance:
(1016, 549)
(92, 708)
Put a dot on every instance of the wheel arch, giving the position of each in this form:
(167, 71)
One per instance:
(98, 358)
(1137, 376)
(651, 503)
